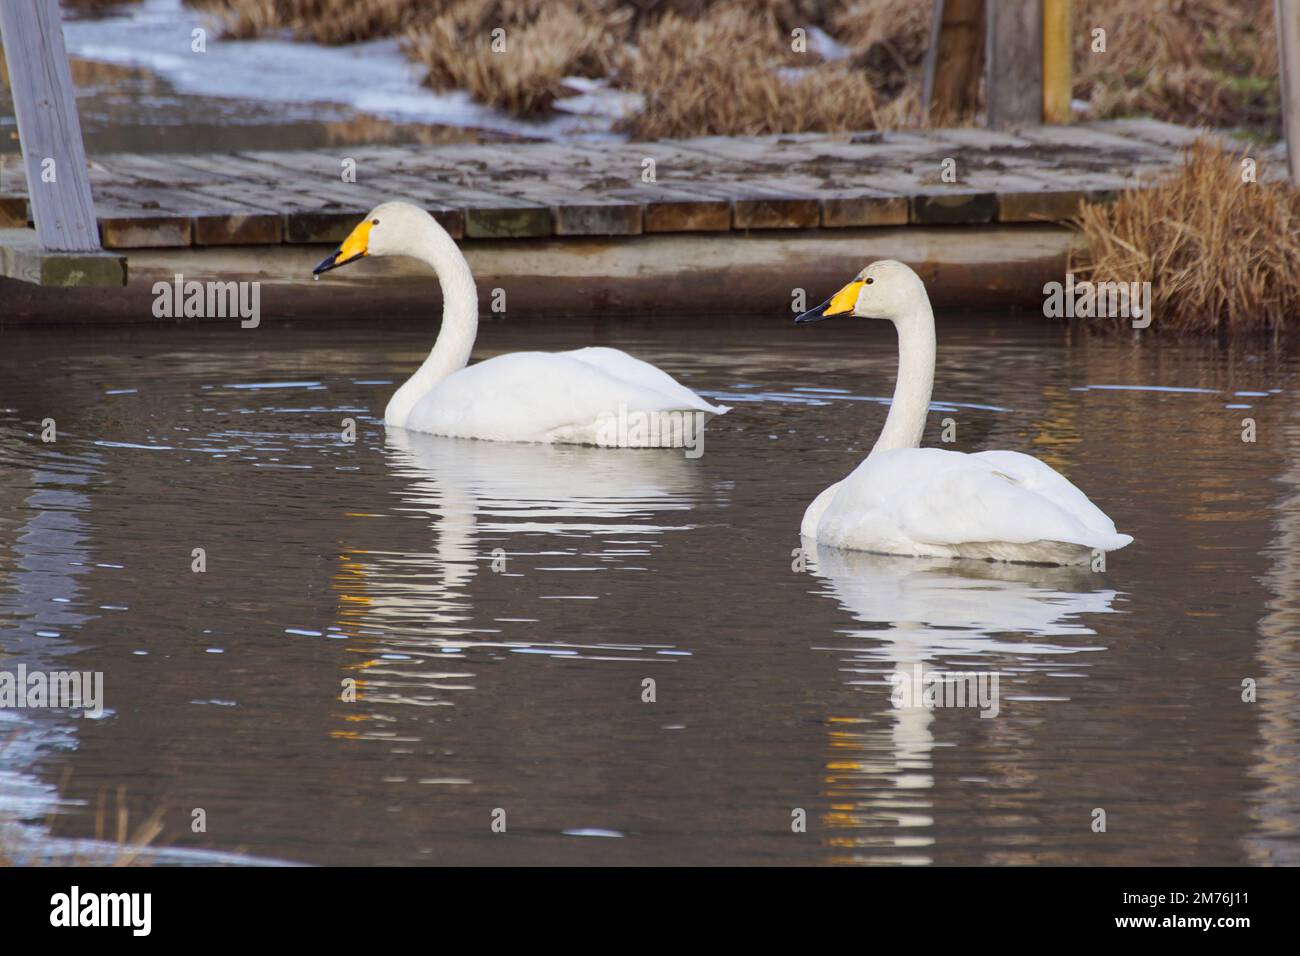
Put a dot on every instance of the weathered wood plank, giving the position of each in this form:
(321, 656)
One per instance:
(122, 228)
(1155, 132)
(952, 61)
(565, 179)
(22, 257)
(320, 175)
(672, 208)
(1013, 58)
(669, 214)
(1286, 16)
(864, 207)
(48, 127)
(958, 206)
(224, 212)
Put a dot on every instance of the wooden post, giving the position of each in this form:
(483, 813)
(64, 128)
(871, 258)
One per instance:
(58, 185)
(1058, 54)
(1286, 14)
(952, 62)
(1013, 76)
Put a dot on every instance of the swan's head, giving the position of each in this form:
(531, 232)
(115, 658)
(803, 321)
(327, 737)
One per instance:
(388, 230)
(887, 289)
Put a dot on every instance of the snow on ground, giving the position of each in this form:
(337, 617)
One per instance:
(372, 77)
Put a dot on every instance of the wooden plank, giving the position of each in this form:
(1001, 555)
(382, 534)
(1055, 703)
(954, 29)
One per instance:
(22, 257)
(672, 208)
(311, 212)
(1095, 187)
(964, 206)
(224, 212)
(1013, 75)
(566, 180)
(669, 214)
(1286, 16)
(1155, 132)
(864, 207)
(934, 203)
(776, 212)
(765, 204)
(950, 88)
(122, 228)
(320, 174)
(1058, 59)
(1103, 146)
(48, 127)
(1043, 205)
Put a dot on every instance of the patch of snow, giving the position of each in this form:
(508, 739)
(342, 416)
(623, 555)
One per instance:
(372, 77)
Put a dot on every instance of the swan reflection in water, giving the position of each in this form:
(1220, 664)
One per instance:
(921, 616)
(503, 508)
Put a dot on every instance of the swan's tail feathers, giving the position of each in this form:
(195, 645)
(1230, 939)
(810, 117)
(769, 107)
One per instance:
(1106, 542)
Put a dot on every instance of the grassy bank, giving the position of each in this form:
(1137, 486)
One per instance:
(732, 67)
(1218, 245)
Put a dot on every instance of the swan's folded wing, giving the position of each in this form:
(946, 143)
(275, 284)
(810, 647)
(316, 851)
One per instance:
(966, 505)
(938, 497)
(531, 396)
(626, 368)
(1042, 479)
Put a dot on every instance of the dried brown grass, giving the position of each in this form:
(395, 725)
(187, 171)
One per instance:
(717, 66)
(1220, 253)
(540, 45)
(888, 39)
(1208, 62)
(733, 72)
(330, 22)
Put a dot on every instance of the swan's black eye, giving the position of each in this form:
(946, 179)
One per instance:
(374, 222)
(869, 280)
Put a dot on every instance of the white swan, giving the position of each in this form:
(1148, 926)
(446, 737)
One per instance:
(591, 396)
(926, 502)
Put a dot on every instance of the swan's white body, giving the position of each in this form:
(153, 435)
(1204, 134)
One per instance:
(928, 502)
(591, 396)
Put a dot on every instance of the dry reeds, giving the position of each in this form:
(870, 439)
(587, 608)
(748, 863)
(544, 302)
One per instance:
(330, 22)
(515, 54)
(725, 66)
(732, 73)
(1185, 61)
(1220, 252)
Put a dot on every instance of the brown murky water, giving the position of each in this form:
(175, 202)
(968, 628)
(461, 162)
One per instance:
(500, 607)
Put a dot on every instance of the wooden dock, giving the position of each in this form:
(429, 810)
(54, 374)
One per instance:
(245, 213)
(534, 190)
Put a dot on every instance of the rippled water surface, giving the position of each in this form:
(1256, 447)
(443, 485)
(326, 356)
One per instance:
(501, 608)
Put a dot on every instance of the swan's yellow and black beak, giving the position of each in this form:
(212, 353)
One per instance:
(354, 247)
(841, 303)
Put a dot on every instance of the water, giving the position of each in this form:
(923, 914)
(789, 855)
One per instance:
(500, 607)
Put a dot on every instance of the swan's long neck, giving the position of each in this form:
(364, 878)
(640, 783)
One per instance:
(450, 353)
(905, 423)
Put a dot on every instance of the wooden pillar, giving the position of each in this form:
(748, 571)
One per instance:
(1058, 57)
(49, 131)
(953, 60)
(1286, 14)
(1013, 76)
